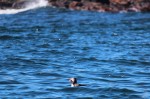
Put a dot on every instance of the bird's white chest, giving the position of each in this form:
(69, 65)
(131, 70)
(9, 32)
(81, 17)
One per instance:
(72, 85)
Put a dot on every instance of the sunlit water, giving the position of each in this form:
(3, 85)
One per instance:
(41, 49)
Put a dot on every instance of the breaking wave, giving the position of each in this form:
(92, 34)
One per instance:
(31, 5)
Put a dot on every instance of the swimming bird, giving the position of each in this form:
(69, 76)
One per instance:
(74, 83)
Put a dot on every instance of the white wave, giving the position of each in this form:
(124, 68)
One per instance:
(32, 5)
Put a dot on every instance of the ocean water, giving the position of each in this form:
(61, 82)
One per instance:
(40, 49)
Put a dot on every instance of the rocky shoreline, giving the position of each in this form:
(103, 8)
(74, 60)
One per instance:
(104, 5)
(91, 5)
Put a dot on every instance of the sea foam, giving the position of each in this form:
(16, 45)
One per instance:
(31, 5)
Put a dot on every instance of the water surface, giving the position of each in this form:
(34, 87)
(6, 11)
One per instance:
(41, 49)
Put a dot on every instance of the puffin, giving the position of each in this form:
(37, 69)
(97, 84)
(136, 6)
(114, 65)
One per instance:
(74, 83)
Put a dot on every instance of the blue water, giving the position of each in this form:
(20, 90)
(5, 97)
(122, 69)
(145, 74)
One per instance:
(41, 49)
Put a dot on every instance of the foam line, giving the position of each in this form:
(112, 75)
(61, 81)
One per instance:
(32, 5)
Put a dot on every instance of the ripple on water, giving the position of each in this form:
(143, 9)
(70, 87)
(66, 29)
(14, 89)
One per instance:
(10, 82)
(8, 37)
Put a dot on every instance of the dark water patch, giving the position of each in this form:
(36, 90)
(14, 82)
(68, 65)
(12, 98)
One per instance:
(105, 80)
(57, 52)
(46, 45)
(79, 89)
(34, 93)
(48, 74)
(10, 82)
(24, 88)
(118, 90)
(7, 37)
(143, 73)
(144, 84)
(84, 97)
(18, 61)
(11, 29)
(131, 62)
(92, 59)
(139, 28)
(22, 64)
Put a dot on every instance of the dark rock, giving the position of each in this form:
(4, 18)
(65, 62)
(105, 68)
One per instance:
(92, 5)
(66, 4)
(23, 4)
(102, 1)
(4, 5)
